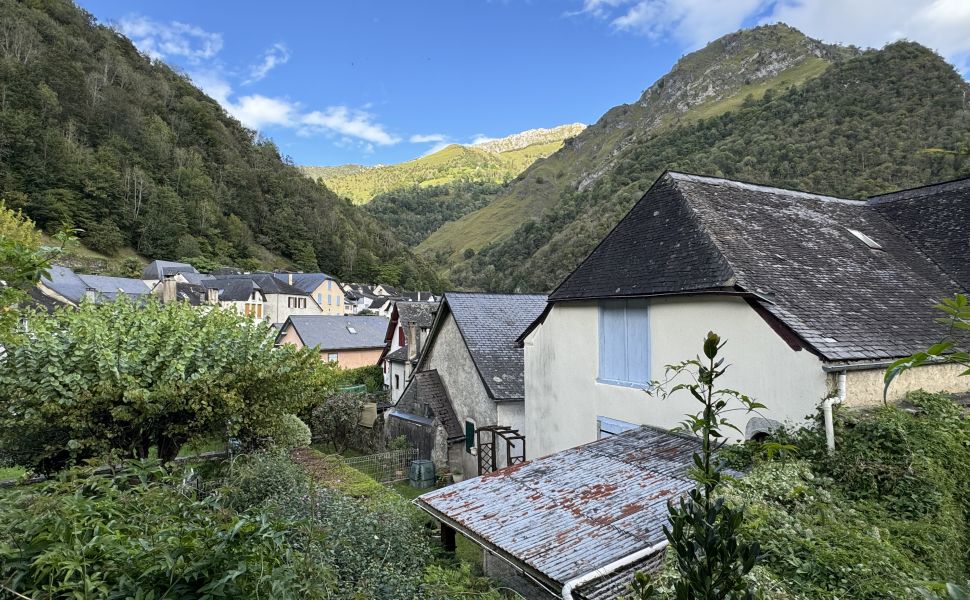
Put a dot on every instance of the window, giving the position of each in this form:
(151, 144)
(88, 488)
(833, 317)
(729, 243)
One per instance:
(397, 381)
(868, 241)
(624, 343)
(469, 435)
(329, 284)
(319, 298)
(606, 427)
(332, 357)
(351, 329)
(338, 300)
(329, 299)
(302, 302)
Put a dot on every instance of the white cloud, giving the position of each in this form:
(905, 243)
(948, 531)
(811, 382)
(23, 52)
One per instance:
(350, 122)
(939, 24)
(257, 111)
(420, 138)
(172, 39)
(277, 54)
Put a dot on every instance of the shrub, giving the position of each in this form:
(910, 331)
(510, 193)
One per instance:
(144, 534)
(258, 477)
(291, 432)
(336, 420)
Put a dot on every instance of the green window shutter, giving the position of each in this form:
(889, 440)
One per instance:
(469, 436)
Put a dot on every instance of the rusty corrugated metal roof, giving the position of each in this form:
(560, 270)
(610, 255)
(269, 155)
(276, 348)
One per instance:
(566, 514)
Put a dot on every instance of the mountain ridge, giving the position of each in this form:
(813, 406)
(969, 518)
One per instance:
(489, 161)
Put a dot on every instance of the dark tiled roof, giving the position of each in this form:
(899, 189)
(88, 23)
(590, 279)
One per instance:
(73, 286)
(936, 219)
(569, 513)
(232, 289)
(421, 313)
(308, 282)
(158, 269)
(333, 332)
(425, 397)
(42, 301)
(490, 324)
(793, 250)
(399, 355)
(378, 303)
(191, 293)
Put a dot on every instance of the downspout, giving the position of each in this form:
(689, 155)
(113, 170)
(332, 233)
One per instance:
(567, 590)
(827, 412)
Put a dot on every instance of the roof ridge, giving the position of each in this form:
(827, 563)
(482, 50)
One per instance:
(681, 176)
(923, 190)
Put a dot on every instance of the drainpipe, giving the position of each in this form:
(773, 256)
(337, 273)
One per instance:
(567, 590)
(827, 413)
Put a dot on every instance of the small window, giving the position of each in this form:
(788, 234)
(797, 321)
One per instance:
(469, 435)
(624, 344)
(868, 241)
(329, 299)
(329, 283)
(338, 300)
(319, 298)
(607, 427)
(332, 357)
(397, 381)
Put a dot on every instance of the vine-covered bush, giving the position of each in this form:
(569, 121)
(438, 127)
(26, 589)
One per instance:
(887, 513)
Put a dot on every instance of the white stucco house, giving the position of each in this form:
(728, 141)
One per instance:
(815, 296)
(464, 406)
(407, 331)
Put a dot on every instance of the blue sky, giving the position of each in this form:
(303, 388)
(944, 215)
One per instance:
(387, 81)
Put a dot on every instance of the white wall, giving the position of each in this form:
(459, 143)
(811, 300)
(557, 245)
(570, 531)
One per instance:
(399, 369)
(276, 309)
(563, 398)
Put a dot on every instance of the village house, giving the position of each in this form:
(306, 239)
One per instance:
(464, 405)
(240, 294)
(158, 270)
(814, 295)
(279, 299)
(323, 288)
(406, 331)
(66, 287)
(350, 341)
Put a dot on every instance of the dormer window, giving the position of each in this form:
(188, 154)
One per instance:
(868, 241)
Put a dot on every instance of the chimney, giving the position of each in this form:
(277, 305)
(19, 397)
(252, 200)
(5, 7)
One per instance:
(211, 295)
(168, 290)
(413, 342)
(89, 295)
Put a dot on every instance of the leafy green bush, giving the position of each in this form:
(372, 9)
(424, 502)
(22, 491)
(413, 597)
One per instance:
(336, 420)
(884, 515)
(145, 534)
(370, 376)
(253, 479)
(291, 432)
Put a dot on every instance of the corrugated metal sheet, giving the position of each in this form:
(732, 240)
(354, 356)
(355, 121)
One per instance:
(569, 513)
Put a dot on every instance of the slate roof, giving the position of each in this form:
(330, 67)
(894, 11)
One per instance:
(158, 269)
(72, 285)
(399, 355)
(489, 325)
(191, 293)
(425, 398)
(232, 289)
(569, 513)
(42, 301)
(307, 282)
(332, 332)
(421, 313)
(790, 252)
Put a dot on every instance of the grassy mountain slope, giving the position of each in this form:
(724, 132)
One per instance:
(703, 84)
(868, 124)
(494, 161)
(94, 135)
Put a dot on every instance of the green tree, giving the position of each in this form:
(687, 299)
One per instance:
(711, 561)
(126, 377)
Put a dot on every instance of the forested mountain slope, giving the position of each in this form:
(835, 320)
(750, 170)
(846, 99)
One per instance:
(884, 120)
(492, 161)
(96, 136)
(703, 84)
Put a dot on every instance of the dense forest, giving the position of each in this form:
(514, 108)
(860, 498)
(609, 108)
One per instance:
(413, 213)
(96, 136)
(884, 120)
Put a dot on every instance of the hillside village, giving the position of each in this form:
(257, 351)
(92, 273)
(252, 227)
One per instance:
(595, 374)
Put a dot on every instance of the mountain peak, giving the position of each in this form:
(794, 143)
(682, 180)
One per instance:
(523, 139)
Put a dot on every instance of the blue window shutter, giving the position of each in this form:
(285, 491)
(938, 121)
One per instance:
(637, 341)
(612, 326)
